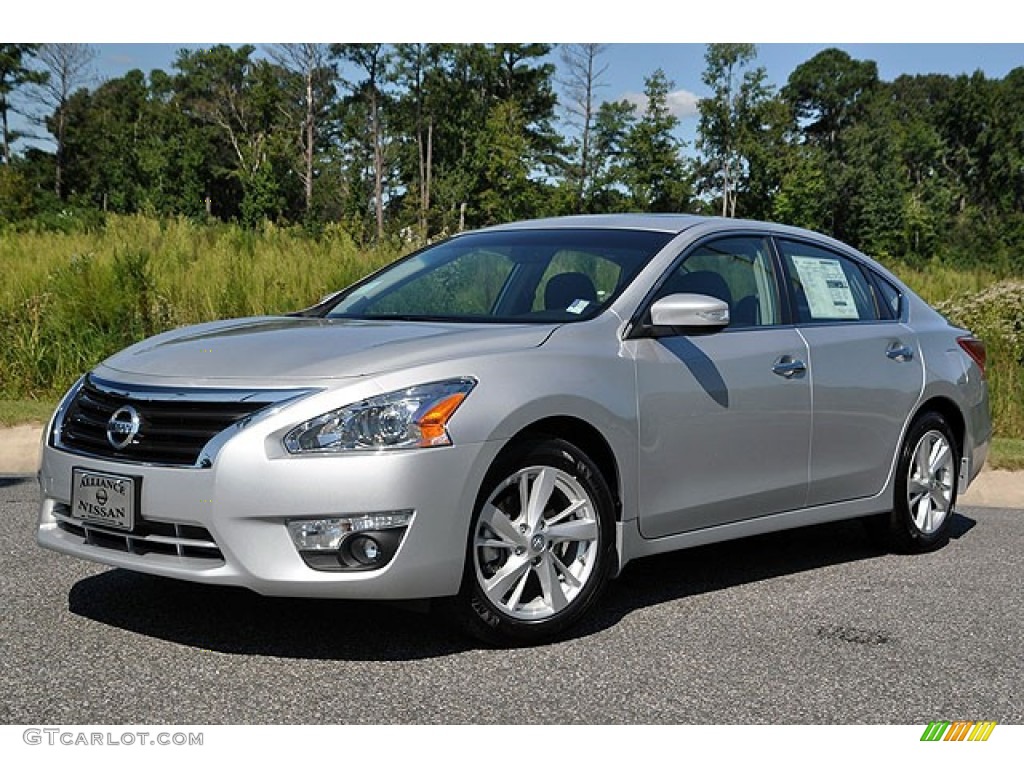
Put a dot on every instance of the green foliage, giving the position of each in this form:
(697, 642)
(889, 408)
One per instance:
(16, 199)
(996, 315)
(1006, 453)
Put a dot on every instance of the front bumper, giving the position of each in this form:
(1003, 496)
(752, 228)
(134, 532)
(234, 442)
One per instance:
(246, 497)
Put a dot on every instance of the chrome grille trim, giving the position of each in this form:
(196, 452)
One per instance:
(187, 541)
(182, 427)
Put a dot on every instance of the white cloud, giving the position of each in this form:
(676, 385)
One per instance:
(681, 103)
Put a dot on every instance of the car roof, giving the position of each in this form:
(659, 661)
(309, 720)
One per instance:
(657, 222)
(673, 223)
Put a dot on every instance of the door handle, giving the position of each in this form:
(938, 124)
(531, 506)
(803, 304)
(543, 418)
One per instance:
(789, 367)
(899, 352)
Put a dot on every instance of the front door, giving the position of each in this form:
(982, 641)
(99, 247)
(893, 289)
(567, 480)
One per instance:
(724, 419)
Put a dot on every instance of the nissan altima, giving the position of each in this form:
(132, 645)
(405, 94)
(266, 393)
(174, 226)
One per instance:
(501, 421)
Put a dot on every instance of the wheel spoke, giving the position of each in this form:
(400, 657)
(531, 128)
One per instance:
(550, 584)
(496, 521)
(567, 575)
(572, 509)
(922, 512)
(939, 457)
(517, 593)
(921, 459)
(916, 486)
(574, 530)
(498, 585)
(540, 493)
(524, 496)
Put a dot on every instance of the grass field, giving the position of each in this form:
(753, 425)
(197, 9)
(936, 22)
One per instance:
(68, 300)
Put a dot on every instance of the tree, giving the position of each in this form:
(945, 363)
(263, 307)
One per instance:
(581, 82)
(418, 70)
(101, 143)
(15, 73)
(731, 119)
(828, 94)
(508, 193)
(242, 99)
(369, 57)
(312, 91)
(613, 125)
(68, 67)
(655, 173)
(825, 91)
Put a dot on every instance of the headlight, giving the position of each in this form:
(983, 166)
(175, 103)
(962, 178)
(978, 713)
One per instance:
(412, 418)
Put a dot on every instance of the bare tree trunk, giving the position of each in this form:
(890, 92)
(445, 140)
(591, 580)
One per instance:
(310, 130)
(7, 143)
(581, 83)
(430, 165)
(378, 164)
(421, 156)
(310, 62)
(59, 156)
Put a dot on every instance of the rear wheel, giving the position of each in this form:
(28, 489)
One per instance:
(539, 547)
(925, 489)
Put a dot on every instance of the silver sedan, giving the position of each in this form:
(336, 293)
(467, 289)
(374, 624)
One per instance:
(502, 421)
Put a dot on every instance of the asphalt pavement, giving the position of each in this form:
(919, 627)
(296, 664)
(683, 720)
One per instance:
(813, 626)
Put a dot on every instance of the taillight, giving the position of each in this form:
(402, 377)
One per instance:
(975, 349)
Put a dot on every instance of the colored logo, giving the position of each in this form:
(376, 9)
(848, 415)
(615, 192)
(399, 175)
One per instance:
(959, 730)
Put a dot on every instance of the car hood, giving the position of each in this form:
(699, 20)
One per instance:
(297, 348)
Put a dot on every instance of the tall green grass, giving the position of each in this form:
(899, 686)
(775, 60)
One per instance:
(67, 300)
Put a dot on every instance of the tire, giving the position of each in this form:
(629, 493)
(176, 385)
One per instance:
(924, 498)
(540, 545)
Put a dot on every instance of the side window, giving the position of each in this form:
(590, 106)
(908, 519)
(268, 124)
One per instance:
(890, 297)
(737, 270)
(827, 287)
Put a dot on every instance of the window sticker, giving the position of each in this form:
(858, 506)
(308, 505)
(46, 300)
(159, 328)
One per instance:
(828, 291)
(578, 306)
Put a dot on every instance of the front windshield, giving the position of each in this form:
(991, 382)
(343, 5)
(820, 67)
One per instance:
(521, 276)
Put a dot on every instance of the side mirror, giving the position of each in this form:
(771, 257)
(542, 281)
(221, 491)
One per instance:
(689, 312)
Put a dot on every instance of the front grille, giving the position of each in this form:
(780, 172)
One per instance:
(149, 536)
(173, 429)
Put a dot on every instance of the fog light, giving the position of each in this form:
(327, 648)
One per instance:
(357, 542)
(327, 534)
(366, 550)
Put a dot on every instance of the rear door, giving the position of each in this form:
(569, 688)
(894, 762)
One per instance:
(867, 371)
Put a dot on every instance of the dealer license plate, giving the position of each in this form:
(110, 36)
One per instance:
(109, 500)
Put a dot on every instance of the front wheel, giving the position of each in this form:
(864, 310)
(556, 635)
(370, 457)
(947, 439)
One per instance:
(925, 488)
(540, 545)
